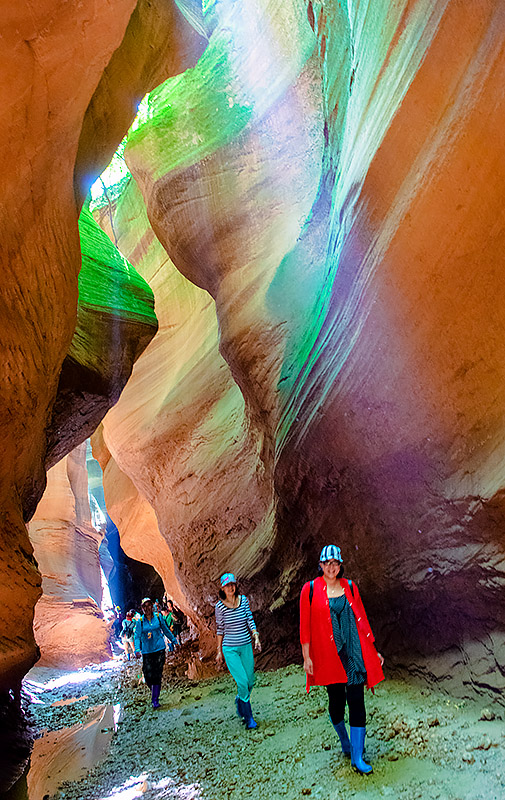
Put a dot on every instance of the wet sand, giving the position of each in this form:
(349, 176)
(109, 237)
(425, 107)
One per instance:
(421, 743)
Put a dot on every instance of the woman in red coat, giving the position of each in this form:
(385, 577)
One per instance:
(338, 650)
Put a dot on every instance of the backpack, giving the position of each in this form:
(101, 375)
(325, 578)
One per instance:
(129, 628)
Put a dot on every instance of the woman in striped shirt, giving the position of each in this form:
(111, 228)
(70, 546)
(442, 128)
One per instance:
(235, 626)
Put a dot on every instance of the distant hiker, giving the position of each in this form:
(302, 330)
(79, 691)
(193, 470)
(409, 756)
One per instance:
(338, 650)
(150, 631)
(128, 630)
(118, 621)
(178, 620)
(168, 619)
(175, 619)
(169, 606)
(235, 626)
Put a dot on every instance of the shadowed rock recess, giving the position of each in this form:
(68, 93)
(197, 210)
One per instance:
(317, 209)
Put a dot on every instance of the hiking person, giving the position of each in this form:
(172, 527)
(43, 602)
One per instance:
(338, 650)
(167, 616)
(176, 620)
(179, 622)
(150, 631)
(235, 626)
(127, 634)
(118, 621)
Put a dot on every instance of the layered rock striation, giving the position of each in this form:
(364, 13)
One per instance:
(115, 322)
(69, 626)
(318, 212)
(59, 133)
(194, 443)
(342, 207)
(181, 432)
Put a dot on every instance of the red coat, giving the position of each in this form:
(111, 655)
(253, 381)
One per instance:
(316, 629)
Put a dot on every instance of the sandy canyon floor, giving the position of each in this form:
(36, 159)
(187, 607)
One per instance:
(103, 735)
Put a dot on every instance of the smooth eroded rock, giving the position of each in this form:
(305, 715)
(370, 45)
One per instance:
(69, 626)
(59, 132)
(347, 219)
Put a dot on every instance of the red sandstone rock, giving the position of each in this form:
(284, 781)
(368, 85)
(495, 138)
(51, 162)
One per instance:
(371, 368)
(180, 430)
(370, 358)
(44, 47)
(52, 125)
(69, 627)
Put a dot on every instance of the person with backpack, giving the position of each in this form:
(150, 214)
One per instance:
(338, 650)
(127, 634)
(167, 616)
(118, 622)
(149, 637)
(178, 620)
(174, 619)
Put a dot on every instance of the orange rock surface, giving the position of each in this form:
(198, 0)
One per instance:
(57, 134)
(69, 626)
(367, 344)
(179, 441)
(330, 359)
(44, 47)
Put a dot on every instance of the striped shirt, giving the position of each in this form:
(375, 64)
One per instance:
(235, 624)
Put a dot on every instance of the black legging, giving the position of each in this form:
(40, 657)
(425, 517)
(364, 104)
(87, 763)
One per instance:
(355, 700)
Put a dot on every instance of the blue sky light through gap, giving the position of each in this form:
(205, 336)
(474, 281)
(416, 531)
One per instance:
(117, 172)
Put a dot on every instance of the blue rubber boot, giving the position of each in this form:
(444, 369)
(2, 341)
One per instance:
(155, 695)
(357, 745)
(248, 715)
(239, 706)
(344, 738)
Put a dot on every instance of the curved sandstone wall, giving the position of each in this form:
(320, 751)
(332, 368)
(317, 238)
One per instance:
(348, 225)
(69, 627)
(181, 441)
(319, 214)
(59, 133)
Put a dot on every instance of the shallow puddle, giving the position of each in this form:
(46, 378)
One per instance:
(67, 754)
(142, 785)
(69, 678)
(69, 701)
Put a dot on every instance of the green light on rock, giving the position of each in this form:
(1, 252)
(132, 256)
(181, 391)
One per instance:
(107, 281)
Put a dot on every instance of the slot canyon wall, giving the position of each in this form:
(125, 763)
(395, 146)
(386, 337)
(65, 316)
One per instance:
(317, 208)
(69, 626)
(330, 359)
(72, 77)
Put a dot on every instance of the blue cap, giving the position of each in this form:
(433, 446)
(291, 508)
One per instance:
(329, 552)
(228, 577)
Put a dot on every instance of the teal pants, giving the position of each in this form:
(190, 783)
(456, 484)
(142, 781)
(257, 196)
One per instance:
(240, 662)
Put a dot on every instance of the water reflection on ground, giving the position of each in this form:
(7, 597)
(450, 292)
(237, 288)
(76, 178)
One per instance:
(69, 701)
(34, 688)
(63, 680)
(67, 754)
(143, 786)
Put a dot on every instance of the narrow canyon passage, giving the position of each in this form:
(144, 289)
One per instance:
(251, 305)
(108, 743)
